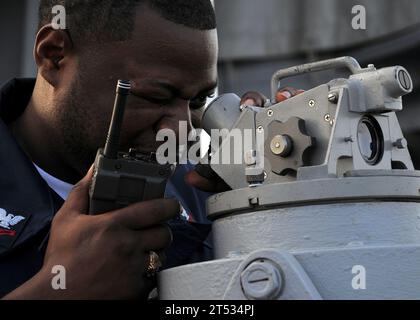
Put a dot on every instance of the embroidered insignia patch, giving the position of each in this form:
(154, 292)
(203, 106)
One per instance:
(7, 222)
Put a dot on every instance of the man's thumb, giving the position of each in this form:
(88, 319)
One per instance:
(78, 199)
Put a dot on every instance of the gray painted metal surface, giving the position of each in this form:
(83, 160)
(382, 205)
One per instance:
(392, 272)
(318, 226)
(368, 96)
(356, 204)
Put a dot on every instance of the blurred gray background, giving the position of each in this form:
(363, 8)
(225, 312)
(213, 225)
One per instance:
(259, 37)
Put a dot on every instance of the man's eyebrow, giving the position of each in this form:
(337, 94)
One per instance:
(176, 92)
(211, 88)
(164, 85)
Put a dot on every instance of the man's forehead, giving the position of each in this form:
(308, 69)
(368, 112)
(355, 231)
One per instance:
(172, 54)
(154, 37)
(159, 49)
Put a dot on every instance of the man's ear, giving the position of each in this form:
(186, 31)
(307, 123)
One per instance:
(52, 48)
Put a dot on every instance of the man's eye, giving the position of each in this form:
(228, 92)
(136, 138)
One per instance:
(200, 102)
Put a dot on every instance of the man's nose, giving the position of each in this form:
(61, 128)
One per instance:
(177, 119)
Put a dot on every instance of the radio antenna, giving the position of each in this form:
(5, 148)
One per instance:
(113, 138)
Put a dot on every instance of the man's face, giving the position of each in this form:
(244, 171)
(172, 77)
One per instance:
(169, 66)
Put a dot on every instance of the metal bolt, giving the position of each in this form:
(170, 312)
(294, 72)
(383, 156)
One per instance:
(270, 113)
(265, 175)
(281, 145)
(260, 129)
(371, 66)
(333, 97)
(327, 117)
(242, 107)
(400, 144)
(254, 201)
(261, 280)
(311, 103)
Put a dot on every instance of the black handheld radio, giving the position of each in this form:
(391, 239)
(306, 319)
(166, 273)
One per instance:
(119, 178)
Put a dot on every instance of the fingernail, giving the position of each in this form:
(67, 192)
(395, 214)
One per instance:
(286, 94)
(249, 102)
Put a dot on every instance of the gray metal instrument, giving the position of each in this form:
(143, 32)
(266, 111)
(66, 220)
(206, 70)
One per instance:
(325, 202)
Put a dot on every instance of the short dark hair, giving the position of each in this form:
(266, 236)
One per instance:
(113, 20)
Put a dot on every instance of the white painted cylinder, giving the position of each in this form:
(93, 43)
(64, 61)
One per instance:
(324, 226)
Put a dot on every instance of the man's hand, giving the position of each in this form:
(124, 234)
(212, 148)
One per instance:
(105, 256)
(251, 98)
(257, 99)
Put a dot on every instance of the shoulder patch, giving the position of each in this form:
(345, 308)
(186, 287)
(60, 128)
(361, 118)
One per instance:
(10, 227)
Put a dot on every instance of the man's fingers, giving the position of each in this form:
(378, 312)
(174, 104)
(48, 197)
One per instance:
(250, 102)
(283, 96)
(78, 199)
(194, 179)
(155, 239)
(257, 99)
(291, 90)
(287, 93)
(147, 214)
(253, 98)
